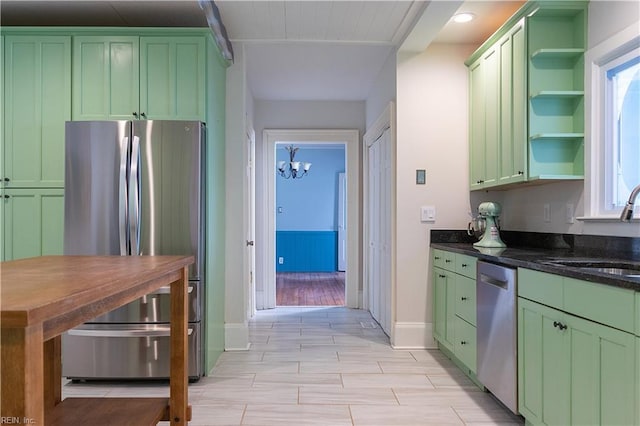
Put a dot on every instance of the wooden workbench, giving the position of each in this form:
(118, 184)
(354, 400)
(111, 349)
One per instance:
(42, 297)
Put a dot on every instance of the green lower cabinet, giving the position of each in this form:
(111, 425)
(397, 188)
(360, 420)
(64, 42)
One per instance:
(33, 222)
(444, 307)
(572, 371)
(465, 343)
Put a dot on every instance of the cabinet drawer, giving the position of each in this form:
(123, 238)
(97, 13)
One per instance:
(466, 299)
(541, 287)
(443, 259)
(607, 305)
(466, 265)
(465, 343)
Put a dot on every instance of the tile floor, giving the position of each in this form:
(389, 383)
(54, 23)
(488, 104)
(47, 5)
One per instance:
(326, 366)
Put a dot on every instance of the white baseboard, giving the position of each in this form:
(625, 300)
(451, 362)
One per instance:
(413, 335)
(236, 337)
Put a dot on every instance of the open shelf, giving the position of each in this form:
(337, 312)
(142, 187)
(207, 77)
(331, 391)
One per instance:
(549, 136)
(557, 94)
(111, 411)
(557, 53)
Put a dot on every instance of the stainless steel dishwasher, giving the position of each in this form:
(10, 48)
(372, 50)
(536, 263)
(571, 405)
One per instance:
(497, 344)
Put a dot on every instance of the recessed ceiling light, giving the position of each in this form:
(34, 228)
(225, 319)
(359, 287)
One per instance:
(463, 17)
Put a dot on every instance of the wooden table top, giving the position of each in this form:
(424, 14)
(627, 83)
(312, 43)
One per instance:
(40, 289)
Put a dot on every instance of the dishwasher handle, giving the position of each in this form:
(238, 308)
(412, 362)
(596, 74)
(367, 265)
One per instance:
(484, 278)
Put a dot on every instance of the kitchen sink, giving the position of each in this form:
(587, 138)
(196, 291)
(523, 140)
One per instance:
(612, 267)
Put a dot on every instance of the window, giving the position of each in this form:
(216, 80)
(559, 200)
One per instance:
(622, 115)
(613, 115)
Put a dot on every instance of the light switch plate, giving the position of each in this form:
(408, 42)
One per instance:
(428, 213)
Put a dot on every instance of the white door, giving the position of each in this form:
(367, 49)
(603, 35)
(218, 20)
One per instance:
(342, 222)
(251, 224)
(379, 219)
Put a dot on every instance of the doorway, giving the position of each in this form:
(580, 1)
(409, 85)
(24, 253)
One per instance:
(267, 220)
(309, 224)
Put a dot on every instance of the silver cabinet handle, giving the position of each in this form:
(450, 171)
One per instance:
(155, 332)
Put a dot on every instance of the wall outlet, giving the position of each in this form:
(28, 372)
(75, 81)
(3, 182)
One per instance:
(281, 260)
(547, 213)
(570, 213)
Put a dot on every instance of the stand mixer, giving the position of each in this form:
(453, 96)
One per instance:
(491, 237)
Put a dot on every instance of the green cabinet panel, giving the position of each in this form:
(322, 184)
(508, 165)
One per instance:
(574, 371)
(454, 307)
(37, 102)
(105, 77)
(537, 119)
(541, 287)
(132, 77)
(484, 120)
(543, 365)
(513, 106)
(465, 343)
(466, 265)
(465, 299)
(444, 307)
(33, 222)
(476, 125)
(172, 77)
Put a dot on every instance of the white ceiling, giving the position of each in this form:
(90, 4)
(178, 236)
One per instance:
(296, 50)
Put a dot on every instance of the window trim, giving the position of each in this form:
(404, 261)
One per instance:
(597, 63)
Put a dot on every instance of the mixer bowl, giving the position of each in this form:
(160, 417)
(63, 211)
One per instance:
(476, 227)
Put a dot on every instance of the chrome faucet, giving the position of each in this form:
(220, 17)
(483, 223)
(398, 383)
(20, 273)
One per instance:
(627, 211)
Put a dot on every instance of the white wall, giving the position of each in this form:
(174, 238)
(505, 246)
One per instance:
(523, 207)
(383, 90)
(296, 115)
(432, 98)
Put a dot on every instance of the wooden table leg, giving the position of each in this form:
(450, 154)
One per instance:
(178, 375)
(22, 367)
(53, 373)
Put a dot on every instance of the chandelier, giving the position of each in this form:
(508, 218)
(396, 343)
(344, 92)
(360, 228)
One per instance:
(293, 170)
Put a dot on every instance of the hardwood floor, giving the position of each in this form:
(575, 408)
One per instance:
(310, 289)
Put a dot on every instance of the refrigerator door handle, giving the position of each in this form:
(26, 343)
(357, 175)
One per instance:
(134, 197)
(142, 332)
(122, 197)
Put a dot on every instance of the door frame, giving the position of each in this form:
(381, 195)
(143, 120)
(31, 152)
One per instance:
(351, 139)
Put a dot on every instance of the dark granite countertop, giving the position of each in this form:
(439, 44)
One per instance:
(534, 251)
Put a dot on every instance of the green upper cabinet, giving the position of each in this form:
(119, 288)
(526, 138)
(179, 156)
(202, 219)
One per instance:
(37, 102)
(526, 97)
(557, 40)
(105, 77)
(132, 77)
(172, 77)
(512, 154)
(497, 112)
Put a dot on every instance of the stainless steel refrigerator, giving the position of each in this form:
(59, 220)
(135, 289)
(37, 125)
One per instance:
(135, 188)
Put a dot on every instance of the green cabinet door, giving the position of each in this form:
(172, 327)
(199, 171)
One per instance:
(603, 372)
(476, 125)
(172, 78)
(106, 77)
(513, 103)
(444, 307)
(572, 371)
(37, 102)
(33, 222)
(543, 365)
